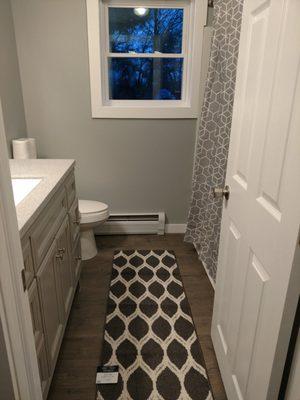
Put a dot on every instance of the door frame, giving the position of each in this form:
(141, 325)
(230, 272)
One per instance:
(15, 312)
(287, 322)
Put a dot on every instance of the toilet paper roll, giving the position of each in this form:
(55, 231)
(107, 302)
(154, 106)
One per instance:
(24, 148)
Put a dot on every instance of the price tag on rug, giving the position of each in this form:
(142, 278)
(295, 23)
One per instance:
(107, 374)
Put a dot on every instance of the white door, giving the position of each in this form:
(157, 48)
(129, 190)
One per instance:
(260, 222)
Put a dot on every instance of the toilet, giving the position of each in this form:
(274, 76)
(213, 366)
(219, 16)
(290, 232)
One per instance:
(92, 214)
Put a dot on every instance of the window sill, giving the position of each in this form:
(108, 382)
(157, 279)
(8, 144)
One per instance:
(144, 112)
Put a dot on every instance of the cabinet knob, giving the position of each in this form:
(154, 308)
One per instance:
(59, 256)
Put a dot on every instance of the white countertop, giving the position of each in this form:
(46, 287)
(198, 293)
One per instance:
(51, 172)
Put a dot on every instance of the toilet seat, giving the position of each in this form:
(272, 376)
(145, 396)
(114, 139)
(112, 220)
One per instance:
(92, 211)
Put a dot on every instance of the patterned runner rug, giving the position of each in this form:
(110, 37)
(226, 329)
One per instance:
(149, 332)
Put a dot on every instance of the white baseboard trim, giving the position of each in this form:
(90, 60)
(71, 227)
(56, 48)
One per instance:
(175, 228)
(137, 228)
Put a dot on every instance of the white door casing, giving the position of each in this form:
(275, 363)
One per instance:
(14, 305)
(260, 222)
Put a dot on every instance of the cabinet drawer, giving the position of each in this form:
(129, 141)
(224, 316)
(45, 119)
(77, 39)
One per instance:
(71, 189)
(36, 315)
(43, 366)
(74, 218)
(76, 260)
(28, 261)
(46, 227)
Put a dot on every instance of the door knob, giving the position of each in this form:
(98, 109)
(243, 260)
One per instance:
(219, 192)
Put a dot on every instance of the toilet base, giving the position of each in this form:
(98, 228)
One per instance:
(88, 244)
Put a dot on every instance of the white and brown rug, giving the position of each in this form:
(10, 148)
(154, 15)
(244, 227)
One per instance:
(149, 331)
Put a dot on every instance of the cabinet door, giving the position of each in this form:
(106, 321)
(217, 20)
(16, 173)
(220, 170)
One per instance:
(36, 315)
(76, 260)
(43, 366)
(28, 261)
(50, 303)
(39, 336)
(71, 189)
(65, 274)
(74, 218)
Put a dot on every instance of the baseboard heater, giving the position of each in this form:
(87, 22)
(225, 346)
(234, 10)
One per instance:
(126, 224)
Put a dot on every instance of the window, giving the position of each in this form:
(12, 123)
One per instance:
(145, 53)
(145, 57)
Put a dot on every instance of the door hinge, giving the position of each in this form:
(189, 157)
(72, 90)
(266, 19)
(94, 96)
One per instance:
(24, 279)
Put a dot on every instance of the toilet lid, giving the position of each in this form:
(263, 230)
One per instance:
(91, 207)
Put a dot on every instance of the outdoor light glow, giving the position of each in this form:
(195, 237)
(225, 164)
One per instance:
(141, 11)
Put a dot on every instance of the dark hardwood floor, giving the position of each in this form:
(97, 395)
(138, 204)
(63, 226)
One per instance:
(74, 377)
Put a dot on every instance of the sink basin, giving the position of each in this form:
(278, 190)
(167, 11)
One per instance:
(22, 187)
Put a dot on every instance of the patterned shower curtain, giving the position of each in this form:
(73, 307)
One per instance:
(204, 219)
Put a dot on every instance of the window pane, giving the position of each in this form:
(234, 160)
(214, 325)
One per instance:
(145, 30)
(145, 78)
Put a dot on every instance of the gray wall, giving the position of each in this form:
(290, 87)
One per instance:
(133, 165)
(10, 84)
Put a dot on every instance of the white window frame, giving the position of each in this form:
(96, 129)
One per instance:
(195, 12)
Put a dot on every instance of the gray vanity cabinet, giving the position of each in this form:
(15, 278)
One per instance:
(52, 265)
(65, 275)
(28, 262)
(50, 298)
(38, 330)
(43, 367)
(76, 259)
(74, 218)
